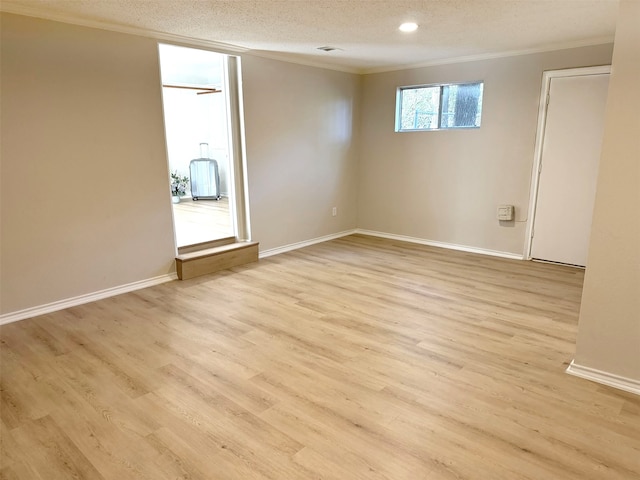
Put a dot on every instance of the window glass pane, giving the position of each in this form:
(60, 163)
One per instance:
(419, 108)
(461, 105)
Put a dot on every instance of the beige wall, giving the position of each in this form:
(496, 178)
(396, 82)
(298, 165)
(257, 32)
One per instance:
(85, 202)
(609, 328)
(302, 150)
(446, 185)
(84, 199)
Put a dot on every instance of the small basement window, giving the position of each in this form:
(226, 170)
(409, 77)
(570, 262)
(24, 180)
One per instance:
(438, 107)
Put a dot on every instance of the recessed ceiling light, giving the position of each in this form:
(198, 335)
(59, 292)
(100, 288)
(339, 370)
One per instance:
(408, 27)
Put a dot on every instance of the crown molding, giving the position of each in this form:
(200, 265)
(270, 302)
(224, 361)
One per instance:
(8, 7)
(489, 56)
(29, 11)
(293, 58)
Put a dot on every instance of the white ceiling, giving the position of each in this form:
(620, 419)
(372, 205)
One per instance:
(365, 31)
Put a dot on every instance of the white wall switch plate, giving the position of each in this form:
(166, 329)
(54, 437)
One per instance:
(505, 212)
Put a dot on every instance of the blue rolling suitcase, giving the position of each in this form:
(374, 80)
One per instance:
(205, 179)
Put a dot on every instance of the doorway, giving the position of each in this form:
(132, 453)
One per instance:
(568, 146)
(198, 89)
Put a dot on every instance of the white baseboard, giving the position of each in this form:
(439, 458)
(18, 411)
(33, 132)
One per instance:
(81, 299)
(605, 378)
(110, 292)
(306, 243)
(433, 243)
(390, 236)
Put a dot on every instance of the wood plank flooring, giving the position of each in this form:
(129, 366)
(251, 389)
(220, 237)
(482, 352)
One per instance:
(358, 358)
(202, 220)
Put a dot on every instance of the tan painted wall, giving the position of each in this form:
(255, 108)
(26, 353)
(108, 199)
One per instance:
(302, 150)
(84, 174)
(609, 328)
(85, 203)
(446, 185)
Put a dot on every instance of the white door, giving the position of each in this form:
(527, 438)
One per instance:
(569, 168)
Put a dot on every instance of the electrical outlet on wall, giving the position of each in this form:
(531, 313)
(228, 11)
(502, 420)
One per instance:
(334, 211)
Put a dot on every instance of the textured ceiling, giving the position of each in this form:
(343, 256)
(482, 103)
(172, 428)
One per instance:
(364, 31)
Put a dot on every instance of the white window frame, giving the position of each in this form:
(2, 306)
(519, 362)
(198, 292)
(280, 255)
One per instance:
(398, 122)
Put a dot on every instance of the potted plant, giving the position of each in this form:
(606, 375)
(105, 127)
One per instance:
(178, 186)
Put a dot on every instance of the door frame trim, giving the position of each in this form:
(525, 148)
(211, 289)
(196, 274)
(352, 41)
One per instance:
(542, 124)
(237, 149)
(234, 113)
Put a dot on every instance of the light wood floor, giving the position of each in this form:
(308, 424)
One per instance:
(358, 358)
(201, 221)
